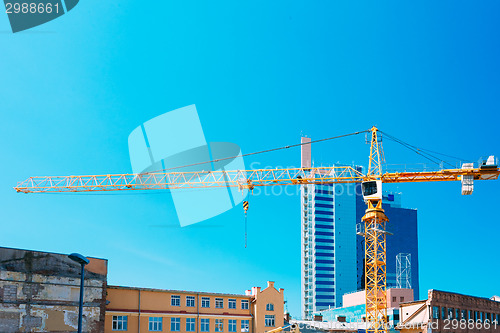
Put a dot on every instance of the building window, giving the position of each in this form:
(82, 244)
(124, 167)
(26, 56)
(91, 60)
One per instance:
(205, 302)
(245, 325)
(175, 300)
(244, 304)
(190, 324)
(269, 307)
(155, 324)
(401, 299)
(231, 325)
(190, 301)
(464, 315)
(231, 303)
(119, 323)
(175, 324)
(435, 312)
(269, 320)
(219, 303)
(470, 315)
(450, 313)
(457, 314)
(219, 325)
(443, 313)
(394, 298)
(205, 325)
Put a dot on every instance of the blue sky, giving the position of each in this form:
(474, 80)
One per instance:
(261, 74)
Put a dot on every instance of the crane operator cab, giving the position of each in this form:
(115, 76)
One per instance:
(372, 190)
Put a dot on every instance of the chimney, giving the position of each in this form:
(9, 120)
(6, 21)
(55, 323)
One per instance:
(270, 284)
(305, 153)
(248, 292)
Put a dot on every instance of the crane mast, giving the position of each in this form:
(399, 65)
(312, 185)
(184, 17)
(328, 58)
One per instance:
(375, 234)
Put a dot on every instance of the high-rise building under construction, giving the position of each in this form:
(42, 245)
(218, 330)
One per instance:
(332, 255)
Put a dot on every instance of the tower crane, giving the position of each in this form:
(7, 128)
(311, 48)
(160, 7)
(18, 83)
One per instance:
(375, 220)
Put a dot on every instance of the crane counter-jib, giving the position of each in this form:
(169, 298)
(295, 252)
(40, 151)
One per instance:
(442, 175)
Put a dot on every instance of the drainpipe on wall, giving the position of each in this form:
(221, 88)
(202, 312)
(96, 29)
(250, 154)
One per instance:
(253, 320)
(139, 321)
(198, 312)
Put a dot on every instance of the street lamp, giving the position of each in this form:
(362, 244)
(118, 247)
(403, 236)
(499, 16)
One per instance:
(82, 261)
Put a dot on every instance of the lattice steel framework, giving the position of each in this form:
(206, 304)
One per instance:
(374, 166)
(375, 248)
(375, 267)
(244, 179)
(403, 270)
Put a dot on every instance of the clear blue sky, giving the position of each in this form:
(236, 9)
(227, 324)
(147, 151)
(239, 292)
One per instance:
(261, 74)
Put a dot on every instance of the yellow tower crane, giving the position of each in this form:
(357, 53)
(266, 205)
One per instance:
(374, 219)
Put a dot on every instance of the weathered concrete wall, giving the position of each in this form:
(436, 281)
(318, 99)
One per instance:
(39, 292)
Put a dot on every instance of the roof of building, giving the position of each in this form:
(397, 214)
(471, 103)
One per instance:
(179, 291)
(49, 264)
(412, 302)
(304, 328)
(452, 293)
(56, 253)
(308, 326)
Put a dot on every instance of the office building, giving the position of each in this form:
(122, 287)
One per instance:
(328, 251)
(328, 246)
(131, 309)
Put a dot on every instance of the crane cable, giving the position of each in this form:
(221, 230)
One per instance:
(245, 203)
(426, 153)
(222, 159)
(258, 152)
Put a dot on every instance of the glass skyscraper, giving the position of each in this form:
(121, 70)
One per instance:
(328, 247)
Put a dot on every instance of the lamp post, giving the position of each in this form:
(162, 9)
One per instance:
(82, 261)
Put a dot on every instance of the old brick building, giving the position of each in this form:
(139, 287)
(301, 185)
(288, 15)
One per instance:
(39, 292)
(450, 312)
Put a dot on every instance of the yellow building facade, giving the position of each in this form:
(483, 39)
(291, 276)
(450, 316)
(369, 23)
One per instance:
(143, 310)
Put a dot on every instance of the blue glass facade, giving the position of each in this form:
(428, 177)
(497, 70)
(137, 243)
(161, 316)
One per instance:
(357, 314)
(328, 246)
(403, 225)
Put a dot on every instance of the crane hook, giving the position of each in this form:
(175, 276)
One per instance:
(245, 208)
